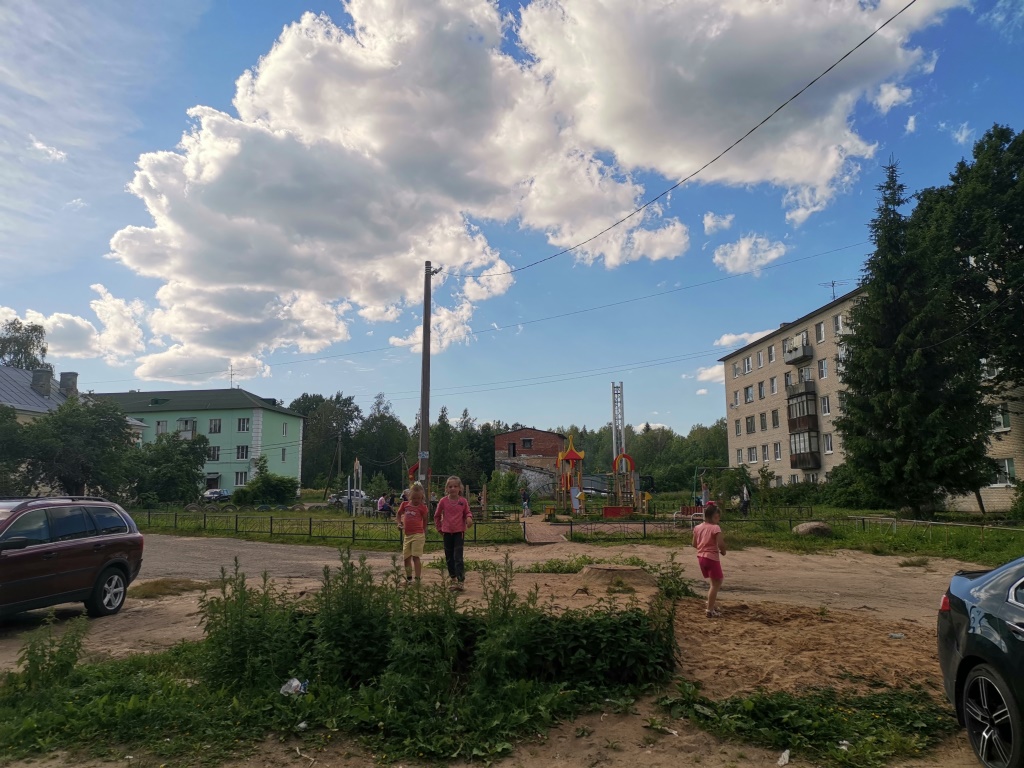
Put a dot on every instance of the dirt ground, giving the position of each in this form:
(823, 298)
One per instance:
(788, 622)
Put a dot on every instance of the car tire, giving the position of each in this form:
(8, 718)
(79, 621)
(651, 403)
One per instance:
(109, 593)
(992, 719)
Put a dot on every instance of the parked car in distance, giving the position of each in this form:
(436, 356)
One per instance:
(213, 495)
(66, 550)
(342, 497)
(981, 652)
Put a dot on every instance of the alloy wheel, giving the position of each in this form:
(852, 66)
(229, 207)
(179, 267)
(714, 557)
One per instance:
(988, 721)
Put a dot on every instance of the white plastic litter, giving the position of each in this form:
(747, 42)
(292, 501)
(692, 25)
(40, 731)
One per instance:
(294, 687)
(844, 745)
(896, 636)
(784, 760)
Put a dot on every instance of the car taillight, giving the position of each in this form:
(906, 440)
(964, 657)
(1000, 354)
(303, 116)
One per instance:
(944, 604)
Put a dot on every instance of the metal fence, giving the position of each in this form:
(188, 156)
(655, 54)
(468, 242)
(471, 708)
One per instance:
(353, 530)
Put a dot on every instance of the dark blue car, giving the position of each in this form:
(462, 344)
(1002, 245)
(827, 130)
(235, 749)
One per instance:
(981, 651)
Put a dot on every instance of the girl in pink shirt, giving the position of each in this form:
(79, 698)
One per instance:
(710, 545)
(451, 519)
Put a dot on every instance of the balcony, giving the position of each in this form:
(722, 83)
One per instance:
(803, 424)
(805, 461)
(800, 388)
(798, 354)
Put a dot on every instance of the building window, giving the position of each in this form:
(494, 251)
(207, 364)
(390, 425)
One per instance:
(823, 369)
(842, 399)
(735, 370)
(786, 344)
(801, 406)
(213, 453)
(812, 477)
(735, 397)
(787, 379)
(773, 385)
(527, 443)
(803, 442)
(241, 452)
(1005, 474)
(739, 455)
(284, 454)
(764, 453)
(794, 479)
(511, 450)
(1001, 420)
(241, 478)
(752, 454)
(837, 324)
(775, 418)
(750, 425)
(764, 421)
(771, 353)
(778, 451)
(819, 332)
(243, 425)
(747, 367)
(841, 360)
(807, 373)
(803, 338)
(161, 427)
(748, 394)
(760, 390)
(778, 482)
(827, 439)
(284, 429)
(760, 359)
(214, 427)
(739, 429)
(825, 407)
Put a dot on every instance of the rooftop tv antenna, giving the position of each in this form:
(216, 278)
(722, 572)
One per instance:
(832, 284)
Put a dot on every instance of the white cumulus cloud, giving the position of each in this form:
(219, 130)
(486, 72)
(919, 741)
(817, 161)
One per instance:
(47, 152)
(748, 254)
(701, 392)
(717, 223)
(911, 125)
(714, 374)
(890, 95)
(740, 339)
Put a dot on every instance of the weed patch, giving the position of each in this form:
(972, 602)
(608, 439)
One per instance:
(831, 728)
(412, 671)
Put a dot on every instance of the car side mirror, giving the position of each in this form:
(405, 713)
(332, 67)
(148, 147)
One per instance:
(15, 542)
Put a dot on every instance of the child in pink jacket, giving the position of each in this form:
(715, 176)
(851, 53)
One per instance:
(451, 519)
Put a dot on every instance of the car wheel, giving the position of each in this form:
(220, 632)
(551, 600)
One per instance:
(992, 718)
(109, 593)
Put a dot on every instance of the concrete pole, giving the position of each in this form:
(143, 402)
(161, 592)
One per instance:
(423, 473)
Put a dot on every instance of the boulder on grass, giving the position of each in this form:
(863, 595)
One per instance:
(812, 529)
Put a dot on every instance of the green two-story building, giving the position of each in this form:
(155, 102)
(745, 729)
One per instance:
(239, 425)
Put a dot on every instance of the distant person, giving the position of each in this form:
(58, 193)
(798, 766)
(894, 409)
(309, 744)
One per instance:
(745, 501)
(383, 507)
(526, 502)
(413, 516)
(709, 541)
(705, 493)
(452, 518)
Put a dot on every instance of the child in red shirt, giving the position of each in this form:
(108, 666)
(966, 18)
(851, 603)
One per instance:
(451, 519)
(709, 541)
(412, 522)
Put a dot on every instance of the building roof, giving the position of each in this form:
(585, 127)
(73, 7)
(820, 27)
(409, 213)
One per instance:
(16, 391)
(192, 400)
(530, 429)
(788, 326)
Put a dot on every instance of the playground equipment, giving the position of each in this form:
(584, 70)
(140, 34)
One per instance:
(570, 480)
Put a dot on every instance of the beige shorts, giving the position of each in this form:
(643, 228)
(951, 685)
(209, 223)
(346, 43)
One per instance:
(412, 546)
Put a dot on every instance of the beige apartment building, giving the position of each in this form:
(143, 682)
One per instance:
(784, 390)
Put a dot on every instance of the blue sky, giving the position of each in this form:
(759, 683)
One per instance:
(254, 187)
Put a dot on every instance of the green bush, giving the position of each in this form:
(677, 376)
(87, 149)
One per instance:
(847, 490)
(266, 487)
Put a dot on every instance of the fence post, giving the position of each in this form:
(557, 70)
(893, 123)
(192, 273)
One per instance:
(236, 522)
(175, 520)
(353, 530)
(645, 527)
(204, 521)
(474, 532)
(570, 529)
(311, 527)
(271, 525)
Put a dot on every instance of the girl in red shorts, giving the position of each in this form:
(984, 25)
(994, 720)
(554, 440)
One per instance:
(709, 541)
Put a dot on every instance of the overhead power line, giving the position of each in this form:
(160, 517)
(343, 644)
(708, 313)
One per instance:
(493, 329)
(704, 167)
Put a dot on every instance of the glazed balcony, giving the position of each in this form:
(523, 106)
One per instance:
(805, 461)
(798, 354)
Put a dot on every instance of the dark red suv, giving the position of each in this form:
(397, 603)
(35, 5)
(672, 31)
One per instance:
(66, 550)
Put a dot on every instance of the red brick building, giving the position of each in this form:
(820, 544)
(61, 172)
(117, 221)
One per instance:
(528, 448)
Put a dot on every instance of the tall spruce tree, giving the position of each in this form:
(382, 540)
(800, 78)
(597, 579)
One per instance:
(914, 419)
